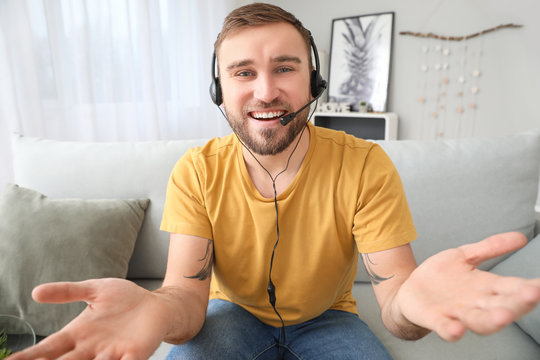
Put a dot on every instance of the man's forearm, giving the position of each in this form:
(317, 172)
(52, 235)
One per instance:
(389, 270)
(185, 313)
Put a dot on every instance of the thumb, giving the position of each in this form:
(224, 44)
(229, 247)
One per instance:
(64, 292)
(493, 246)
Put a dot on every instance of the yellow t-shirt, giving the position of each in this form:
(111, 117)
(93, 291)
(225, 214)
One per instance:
(346, 197)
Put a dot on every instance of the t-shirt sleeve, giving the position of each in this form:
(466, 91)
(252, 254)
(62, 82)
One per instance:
(383, 219)
(185, 211)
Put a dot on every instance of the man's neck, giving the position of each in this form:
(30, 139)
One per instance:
(275, 164)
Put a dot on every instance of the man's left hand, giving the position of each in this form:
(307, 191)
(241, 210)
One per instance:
(448, 293)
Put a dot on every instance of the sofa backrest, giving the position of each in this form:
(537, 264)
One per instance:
(459, 191)
(121, 170)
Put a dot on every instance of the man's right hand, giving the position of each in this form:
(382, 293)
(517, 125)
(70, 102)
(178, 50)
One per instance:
(125, 321)
(121, 321)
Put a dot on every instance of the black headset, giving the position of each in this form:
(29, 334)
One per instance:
(317, 83)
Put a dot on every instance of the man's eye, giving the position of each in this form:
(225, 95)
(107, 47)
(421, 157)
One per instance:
(284, 69)
(244, 73)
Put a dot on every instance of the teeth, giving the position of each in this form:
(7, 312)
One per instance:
(267, 115)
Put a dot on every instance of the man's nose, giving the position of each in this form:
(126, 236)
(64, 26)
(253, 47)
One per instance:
(266, 88)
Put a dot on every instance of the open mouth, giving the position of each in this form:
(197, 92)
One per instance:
(267, 115)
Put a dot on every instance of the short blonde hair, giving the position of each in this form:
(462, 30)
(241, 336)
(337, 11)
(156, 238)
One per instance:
(258, 14)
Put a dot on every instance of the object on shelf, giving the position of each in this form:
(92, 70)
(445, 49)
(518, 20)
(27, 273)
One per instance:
(372, 126)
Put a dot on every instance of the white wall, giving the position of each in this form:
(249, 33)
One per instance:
(510, 75)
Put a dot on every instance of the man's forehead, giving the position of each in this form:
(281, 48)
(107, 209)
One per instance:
(267, 30)
(279, 42)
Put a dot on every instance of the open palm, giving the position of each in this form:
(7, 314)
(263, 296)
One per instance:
(121, 321)
(448, 294)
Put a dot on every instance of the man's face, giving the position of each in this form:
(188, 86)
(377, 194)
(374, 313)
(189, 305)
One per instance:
(264, 74)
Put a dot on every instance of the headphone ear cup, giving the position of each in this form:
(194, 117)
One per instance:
(318, 84)
(215, 87)
(215, 92)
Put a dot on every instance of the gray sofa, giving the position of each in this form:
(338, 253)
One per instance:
(459, 191)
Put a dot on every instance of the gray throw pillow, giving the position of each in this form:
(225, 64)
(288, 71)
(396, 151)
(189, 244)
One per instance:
(45, 240)
(524, 263)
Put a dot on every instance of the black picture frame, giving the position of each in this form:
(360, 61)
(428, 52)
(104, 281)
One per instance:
(360, 58)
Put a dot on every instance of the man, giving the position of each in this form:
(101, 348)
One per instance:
(279, 214)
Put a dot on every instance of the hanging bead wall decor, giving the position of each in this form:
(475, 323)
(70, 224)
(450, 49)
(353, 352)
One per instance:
(448, 84)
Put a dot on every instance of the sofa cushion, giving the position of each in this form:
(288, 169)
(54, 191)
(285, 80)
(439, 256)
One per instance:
(44, 239)
(524, 263)
(461, 191)
(107, 170)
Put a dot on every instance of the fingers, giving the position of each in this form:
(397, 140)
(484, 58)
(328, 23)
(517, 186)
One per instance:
(511, 299)
(450, 329)
(105, 356)
(64, 292)
(478, 320)
(50, 348)
(516, 294)
(531, 293)
(516, 285)
(75, 355)
(493, 246)
(62, 347)
(129, 357)
(489, 321)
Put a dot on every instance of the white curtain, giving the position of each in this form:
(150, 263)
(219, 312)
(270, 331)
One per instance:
(107, 70)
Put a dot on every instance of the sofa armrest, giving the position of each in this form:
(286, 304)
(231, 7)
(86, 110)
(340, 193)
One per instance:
(524, 263)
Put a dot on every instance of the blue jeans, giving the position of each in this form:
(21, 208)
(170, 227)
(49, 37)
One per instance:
(230, 332)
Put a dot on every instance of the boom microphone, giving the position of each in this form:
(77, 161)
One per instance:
(289, 117)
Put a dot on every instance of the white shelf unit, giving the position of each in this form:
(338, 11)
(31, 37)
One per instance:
(369, 126)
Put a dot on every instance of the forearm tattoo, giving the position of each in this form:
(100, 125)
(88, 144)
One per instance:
(375, 278)
(207, 260)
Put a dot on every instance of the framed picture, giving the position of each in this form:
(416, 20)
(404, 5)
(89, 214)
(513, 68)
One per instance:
(360, 60)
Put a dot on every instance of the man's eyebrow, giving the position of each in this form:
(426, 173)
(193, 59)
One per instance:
(277, 59)
(238, 64)
(287, 58)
